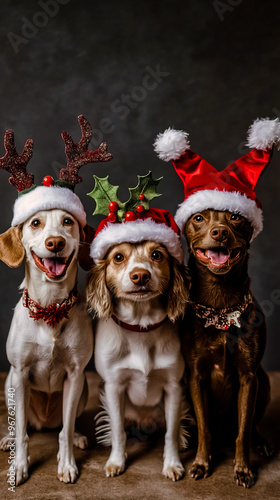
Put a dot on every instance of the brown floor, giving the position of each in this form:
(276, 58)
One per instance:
(142, 479)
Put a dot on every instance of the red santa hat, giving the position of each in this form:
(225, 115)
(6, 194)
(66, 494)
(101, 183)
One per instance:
(52, 194)
(133, 221)
(233, 188)
(153, 224)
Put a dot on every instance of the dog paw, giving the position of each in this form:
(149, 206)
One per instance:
(21, 473)
(67, 473)
(200, 470)
(244, 477)
(173, 471)
(5, 443)
(80, 441)
(262, 447)
(264, 450)
(112, 468)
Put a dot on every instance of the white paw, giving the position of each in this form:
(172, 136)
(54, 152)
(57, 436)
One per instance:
(5, 443)
(67, 473)
(21, 473)
(174, 471)
(80, 441)
(114, 467)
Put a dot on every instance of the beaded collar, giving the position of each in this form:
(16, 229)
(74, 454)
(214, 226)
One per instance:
(222, 319)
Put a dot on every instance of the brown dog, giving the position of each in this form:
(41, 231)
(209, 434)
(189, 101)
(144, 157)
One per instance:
(224, 333)
(224, 364)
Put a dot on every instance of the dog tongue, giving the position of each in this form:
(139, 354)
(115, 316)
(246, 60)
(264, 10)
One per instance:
(54, 266)
(218, 257)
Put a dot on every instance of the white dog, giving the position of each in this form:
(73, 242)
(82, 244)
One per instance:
(48, 352)
(137, 291)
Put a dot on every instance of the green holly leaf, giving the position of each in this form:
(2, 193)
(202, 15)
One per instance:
(102, 193)
(146, 186)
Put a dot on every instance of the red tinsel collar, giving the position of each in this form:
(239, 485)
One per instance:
(52, 314)
(137, 328)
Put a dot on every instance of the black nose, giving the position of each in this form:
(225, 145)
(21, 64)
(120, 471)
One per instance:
(140, 276)
(55, 243)
(219, 233)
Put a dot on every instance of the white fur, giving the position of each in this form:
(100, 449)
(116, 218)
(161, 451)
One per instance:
(138, 370)
(141, 370)
(171, 144)
(220, 200)
(46, 358)
(47, 198)
(133, 232)
(264, 133)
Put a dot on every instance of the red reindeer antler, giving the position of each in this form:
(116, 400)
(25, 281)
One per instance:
(15, 164)
(78, 155)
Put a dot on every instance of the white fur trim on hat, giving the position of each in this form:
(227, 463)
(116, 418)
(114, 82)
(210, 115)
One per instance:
(133, 232)
(47, 198)
(171, 144)
(220, 200)
(264, 133)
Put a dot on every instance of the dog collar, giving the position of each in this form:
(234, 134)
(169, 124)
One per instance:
(52, 314)
(222, 319)
(137, 328)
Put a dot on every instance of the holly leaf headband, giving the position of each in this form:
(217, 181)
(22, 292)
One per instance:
(107, 202)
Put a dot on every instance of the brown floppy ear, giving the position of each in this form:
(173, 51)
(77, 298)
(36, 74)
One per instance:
(86, 237)
(97, 293)
(178, 294)
(11, 249)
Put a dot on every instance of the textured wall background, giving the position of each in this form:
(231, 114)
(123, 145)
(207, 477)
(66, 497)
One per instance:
(133, 69)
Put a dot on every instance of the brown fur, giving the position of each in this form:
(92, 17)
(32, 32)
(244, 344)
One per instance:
(97, 293)
(11, 249)
(87, 235)
(226, 377)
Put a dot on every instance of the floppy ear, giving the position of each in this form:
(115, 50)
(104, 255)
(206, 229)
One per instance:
(97, 293)
(178, 294)
(86, 237)
(11, 249)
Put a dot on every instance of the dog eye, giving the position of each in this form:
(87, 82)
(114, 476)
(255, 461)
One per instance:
(235, 217)
(198, 218)
(118, 257)
(36, 223)
(68, 222)
(156, 255)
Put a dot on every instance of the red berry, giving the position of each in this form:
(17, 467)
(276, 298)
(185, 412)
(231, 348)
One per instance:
(130, 216)
(112, 217)
(48, 181)
(113, 206)
(141, 196)
(140, 208)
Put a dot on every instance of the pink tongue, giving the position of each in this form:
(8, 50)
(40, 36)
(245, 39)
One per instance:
(54, 266)
(217, 257)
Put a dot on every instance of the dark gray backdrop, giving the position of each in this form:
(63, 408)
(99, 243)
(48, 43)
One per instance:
(133, 69)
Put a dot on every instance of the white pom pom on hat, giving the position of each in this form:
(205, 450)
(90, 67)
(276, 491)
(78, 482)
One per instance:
(171, 144)
(264, 133)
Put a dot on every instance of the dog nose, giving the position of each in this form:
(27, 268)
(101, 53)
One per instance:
(219, 233)
(55, 243)
(140, 276)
